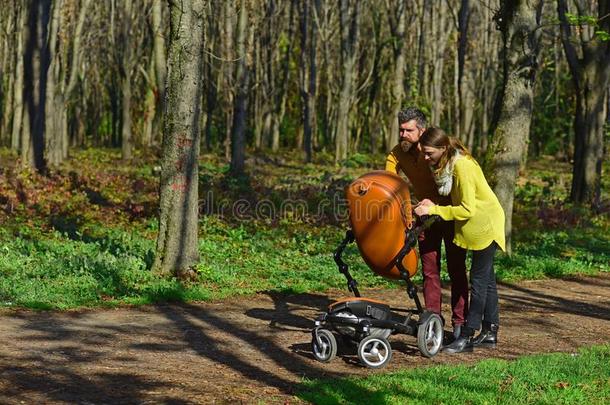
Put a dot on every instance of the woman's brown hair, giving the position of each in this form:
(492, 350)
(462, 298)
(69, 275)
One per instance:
(437, 138)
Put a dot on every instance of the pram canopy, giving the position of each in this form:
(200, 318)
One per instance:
(380, 216)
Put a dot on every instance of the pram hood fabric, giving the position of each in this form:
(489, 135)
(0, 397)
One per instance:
(380, 215)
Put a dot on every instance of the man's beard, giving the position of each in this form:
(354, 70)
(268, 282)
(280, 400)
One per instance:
(405, 145)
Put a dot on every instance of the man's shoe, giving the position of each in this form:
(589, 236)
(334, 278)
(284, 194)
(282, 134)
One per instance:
(488, 337)
(449, 338)
(462, 343)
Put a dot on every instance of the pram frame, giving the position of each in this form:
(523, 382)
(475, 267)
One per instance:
(396, 324)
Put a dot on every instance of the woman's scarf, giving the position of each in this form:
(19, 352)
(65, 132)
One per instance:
(444, 178)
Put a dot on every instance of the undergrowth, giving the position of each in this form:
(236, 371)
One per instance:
(84, 235)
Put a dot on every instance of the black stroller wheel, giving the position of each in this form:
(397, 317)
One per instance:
(430, 335)
(324, 349)
(374, 352)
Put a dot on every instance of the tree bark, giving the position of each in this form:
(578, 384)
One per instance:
(308, 77)
(36, 64)
(280, 98)
(238, 130)
(177, 244)
(18, 88)
(519, 22)
(466, 83)
(127, 61)
(158, 12)
(7, 69)
(349, 12)
(227, 73)
(591, 76)
(53, 127)
(441, 31)
(398, 17)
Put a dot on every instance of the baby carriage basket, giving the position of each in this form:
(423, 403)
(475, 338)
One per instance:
(385, 233)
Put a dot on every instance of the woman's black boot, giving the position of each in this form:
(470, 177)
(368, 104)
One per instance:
(488, 336)
(463, 343)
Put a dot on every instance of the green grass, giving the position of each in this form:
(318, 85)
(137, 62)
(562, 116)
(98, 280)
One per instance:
(111, 266)
(85, 234)
(576, 378)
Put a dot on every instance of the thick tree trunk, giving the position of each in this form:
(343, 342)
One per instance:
(591, 75)
(177, 245)
(36, 63)
(520, 23)
(589, 124)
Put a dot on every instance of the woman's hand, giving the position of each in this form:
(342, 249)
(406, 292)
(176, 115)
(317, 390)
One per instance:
(421, 210)
(425, 202)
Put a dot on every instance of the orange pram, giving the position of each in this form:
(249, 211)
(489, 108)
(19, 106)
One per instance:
(383, 228)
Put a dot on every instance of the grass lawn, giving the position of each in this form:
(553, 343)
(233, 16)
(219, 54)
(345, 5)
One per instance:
(85, 235)
(572, 378)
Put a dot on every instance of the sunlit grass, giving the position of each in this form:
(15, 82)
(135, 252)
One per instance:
(85, 236)
(567, 378)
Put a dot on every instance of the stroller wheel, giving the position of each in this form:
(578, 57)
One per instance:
(374, 352)
(324, 347)
(430, 335)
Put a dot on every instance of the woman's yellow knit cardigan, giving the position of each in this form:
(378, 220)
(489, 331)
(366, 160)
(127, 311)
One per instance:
(478, 216)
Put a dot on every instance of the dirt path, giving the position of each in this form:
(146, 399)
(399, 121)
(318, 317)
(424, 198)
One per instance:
(253, 349)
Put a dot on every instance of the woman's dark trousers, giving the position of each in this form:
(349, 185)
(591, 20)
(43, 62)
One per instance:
(483, 291)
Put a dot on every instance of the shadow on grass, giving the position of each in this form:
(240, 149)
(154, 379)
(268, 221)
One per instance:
(166, 353)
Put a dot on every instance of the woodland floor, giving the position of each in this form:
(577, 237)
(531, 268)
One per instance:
(252, 349)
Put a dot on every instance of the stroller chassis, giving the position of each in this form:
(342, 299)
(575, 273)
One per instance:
(368, 323)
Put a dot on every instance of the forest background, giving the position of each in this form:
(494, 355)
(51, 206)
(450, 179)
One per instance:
(227, 130)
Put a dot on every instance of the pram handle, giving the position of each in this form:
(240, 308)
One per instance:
(411, 236)
(352, 285)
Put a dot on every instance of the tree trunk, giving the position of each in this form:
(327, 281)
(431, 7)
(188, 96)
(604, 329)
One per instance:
(589, 124)
(126, 135)
(227, 73)
(520, 23)
(177, 245)
(591, 76)
(441, 30)
(466, 83)
(7, 69)
(160, 58)
(126, 72)
(398, 87)
(36, 64)
(238, 131)
(280, 99)
(349, 17)
(18, 88)
(308, 76)
(53, 121)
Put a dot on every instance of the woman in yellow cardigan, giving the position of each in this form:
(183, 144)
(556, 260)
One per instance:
(479, 226)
